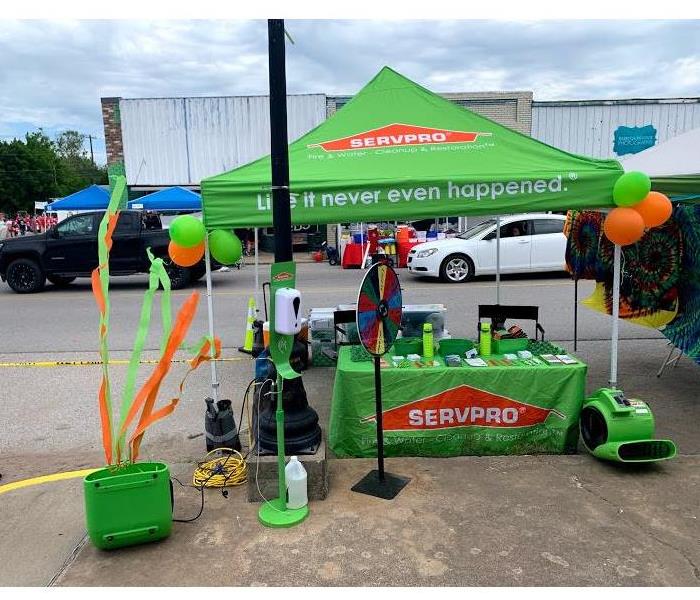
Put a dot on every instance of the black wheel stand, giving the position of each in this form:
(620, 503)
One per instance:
(377, 482)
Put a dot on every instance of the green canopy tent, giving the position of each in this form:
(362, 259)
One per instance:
(397, 151)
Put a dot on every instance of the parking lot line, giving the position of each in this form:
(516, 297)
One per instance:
(92, 363)
(322, 290)
(16, 485)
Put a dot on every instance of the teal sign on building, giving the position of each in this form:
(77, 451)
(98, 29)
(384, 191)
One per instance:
(630, 140)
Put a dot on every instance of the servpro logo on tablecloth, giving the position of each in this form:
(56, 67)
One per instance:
(463, 406)
(398, 134)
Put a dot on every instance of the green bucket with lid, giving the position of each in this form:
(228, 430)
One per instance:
(128, 505)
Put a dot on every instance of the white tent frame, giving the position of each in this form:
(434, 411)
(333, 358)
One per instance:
(614, 349)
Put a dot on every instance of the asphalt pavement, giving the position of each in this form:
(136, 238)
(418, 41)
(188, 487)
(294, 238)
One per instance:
(497, 521)
(62, 325)
(62, 320)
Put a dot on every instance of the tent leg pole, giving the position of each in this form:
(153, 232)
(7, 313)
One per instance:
(210, 315)
(498, 260)
(365, 254)
(575, 314)
(337, 237)
(257, 274)
(615, 317)
(362, 243)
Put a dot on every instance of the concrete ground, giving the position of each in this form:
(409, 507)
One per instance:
(530, 520)
(548, 520)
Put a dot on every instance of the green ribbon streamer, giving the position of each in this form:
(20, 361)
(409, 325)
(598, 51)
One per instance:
(119, 193)
(165, 304)
(156, 275)
(195, 348)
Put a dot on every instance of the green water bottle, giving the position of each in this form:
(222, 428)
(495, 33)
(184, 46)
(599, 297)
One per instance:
(485, 339)
(428, 342)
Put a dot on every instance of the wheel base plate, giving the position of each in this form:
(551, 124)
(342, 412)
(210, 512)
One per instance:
(387, 489)
(274, 513)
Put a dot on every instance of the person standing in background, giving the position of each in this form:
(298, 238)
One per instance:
(250, 242)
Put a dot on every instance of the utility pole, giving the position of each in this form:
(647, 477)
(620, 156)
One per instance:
(92, 156)
(281, 211)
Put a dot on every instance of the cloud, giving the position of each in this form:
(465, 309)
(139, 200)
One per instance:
(53, 73)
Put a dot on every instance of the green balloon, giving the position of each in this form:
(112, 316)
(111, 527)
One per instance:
(187, 231)
(225, 247)
(631, 188)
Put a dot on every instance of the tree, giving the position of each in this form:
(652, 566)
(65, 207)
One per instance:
(77, 170)
(40, 169)
(28, 172)
(70, 146)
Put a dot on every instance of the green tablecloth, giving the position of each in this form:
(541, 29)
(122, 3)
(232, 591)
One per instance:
(452, 411)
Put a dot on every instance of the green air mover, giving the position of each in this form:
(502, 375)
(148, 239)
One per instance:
(616, 428)
(128, 505)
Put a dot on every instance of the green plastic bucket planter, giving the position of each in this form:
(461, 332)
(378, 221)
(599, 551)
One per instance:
(128, 505)
(406, 346)
(454, 346)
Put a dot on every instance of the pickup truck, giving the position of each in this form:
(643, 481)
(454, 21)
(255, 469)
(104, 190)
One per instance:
(69, 250)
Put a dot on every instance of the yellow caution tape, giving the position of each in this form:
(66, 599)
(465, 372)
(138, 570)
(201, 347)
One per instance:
(92, 363)
(16, 485)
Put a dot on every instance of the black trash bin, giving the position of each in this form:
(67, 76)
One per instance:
(220, 426)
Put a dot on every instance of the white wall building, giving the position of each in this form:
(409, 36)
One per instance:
(160, 142)
(613, 128)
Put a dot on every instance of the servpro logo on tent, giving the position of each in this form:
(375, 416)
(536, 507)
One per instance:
(463, 406)
(398, 134)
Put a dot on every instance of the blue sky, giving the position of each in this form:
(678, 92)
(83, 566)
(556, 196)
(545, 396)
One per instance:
(53, 73)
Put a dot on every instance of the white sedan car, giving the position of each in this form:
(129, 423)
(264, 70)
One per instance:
(529, 243)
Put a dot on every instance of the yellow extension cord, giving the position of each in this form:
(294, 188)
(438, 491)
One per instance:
(222, 471)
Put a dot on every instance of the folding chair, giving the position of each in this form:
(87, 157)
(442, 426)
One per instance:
(670, 361)
(499, 313)
(340, 317)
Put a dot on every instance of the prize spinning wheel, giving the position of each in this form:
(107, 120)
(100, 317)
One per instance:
(378, 322)
(379, 309)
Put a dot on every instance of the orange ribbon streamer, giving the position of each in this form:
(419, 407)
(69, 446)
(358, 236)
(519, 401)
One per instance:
(147, 420)
(100, 298)
(146, 397)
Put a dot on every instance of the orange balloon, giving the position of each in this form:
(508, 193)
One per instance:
(623, 226)
(185, 257)
(655, 209)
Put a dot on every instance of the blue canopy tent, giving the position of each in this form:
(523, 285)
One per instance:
(91, 198)
(173, 198)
